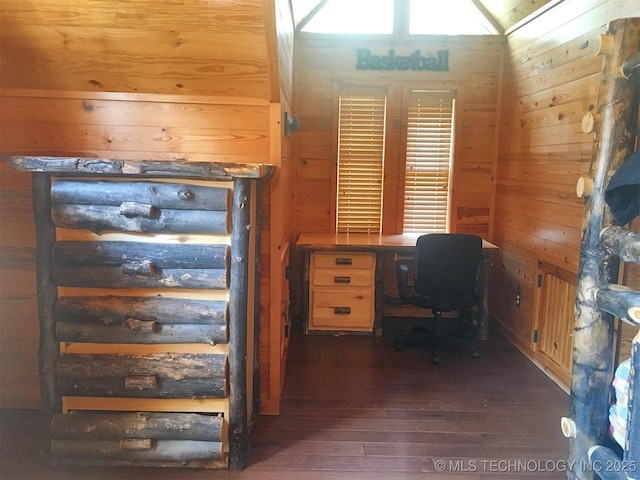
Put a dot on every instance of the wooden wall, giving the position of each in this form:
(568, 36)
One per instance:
(324, 65)
(130, 79)
(551, 81)
(278, 212)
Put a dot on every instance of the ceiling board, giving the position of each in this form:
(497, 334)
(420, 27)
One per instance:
(511, 12)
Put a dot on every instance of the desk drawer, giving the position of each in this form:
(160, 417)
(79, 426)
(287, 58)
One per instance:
(340, 277)
(343, 260)
(349, 309)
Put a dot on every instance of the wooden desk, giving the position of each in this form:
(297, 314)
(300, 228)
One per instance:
(380, 244)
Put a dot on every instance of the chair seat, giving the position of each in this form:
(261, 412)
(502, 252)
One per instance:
(442, 304)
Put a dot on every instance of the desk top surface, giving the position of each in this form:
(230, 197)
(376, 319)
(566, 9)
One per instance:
(364, 241)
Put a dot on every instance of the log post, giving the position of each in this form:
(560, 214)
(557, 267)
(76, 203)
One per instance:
(47, 296)
(238, 323)
(593, 329)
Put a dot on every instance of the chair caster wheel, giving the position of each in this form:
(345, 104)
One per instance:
(437, 360)
(398, 347)
(475, 355)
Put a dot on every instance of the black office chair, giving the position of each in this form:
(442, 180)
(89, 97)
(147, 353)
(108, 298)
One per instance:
(445, 279)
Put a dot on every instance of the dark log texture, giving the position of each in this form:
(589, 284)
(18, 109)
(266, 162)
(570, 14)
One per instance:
(113, 277)
(172, 196)
(240, 242)
(158, 375)
(82, 425)
(621, 242)
(146, 168)
(593, 329)
(256, 310)
(47, 295)
(140, 265)
(116, 310)
(161, 450)
(99, 218)
(141, 331)
(620, 301)
(115, 254)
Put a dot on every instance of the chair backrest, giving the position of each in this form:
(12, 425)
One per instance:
(447, 265)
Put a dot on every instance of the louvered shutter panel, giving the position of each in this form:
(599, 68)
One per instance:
(428, 161)
(360, 164)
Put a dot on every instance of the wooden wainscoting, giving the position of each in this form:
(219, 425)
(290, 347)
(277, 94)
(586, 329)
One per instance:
(553, 320)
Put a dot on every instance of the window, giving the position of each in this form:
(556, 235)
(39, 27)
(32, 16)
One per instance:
(428, 160)
(353, 16)
(452, 17)
(399, 17)
(361, 133)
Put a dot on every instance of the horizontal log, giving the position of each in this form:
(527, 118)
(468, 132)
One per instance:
(116, 310)
(147, 334)
(79, 425)
(162, 375)
(172, 196)
(114, 254)
(621, 301)
(146, 168)
(103, 218)
(112, 277)
(165, 388)
(177, 366)
(622, 243)
(161, 450)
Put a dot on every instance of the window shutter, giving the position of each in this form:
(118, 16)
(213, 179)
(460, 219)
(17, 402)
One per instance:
(360, 164)
(428, 161)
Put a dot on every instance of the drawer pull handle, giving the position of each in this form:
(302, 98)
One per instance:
(136, 444)
(142, 326)
(342, 310)
(135, 209)
(341, 279)
(141, 382)
(145, 268)
(344, 261)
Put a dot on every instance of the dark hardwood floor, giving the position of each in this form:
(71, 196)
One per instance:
(354, 408)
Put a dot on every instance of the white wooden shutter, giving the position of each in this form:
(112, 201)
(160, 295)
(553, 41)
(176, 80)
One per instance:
(360, 164)
(428, 161)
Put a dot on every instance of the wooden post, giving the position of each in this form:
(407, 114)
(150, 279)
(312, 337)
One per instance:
(593, 330)
(47, 296)
(255, 412)
(238, 354)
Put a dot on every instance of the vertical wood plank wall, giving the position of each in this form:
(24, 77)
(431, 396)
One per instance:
(550, 82)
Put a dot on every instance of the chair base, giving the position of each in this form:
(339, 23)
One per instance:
(422, 337)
